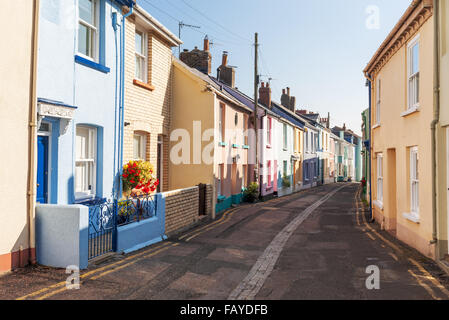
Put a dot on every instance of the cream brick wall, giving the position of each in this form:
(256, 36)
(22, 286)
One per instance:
(182, 208)
(146, 110)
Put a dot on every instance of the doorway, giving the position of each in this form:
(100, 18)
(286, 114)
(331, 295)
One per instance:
(42, 170)
(391, 210)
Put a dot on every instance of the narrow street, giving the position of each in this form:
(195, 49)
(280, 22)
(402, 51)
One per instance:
(315, 244)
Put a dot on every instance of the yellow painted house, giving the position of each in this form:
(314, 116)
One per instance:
(18, 115)
(208, 143)
(401, 74)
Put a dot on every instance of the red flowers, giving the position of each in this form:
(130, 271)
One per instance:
(138, 177)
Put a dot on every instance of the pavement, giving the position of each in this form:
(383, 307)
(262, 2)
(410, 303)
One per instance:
(316, 244)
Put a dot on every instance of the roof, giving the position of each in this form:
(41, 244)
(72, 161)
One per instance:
(286, 114)
(127, 3)
(235, 93)
(213, 84)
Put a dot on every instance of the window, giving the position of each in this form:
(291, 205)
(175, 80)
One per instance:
(306, 138)
(244, 176)
(269, 130)
(245, 127)
(378, 95)
(141, 58)
(220, 122)
(88, 32)
(413, 73)
(414, 181)
(140, 149)
(285, 137)
(380, 179)
(269, 174)
(86, 166)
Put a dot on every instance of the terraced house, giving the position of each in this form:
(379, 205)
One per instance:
(148, 92)
(209, 144)
(401, 78)
(18, 110)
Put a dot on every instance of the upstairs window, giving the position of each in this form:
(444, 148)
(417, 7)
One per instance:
(86, 162)
(413, 73)
(141, 56)
(221, 114)
(88, 33)
(285, 136)
(269, 130)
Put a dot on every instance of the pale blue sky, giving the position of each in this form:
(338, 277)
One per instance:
(317, 48)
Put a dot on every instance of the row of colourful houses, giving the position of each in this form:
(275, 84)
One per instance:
(406, 131)
(90, 84)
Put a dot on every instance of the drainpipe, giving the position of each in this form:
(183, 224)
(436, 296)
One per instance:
(32, 131)
(122, 94)
(436, 118)
(370, 81)
(115, 169)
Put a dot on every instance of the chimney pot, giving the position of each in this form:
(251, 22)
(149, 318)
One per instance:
(263, 84)
(224, 61)
(288, 91)
(206, 44)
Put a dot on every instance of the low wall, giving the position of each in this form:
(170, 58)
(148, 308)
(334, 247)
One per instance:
(62, 234)
(138, 235)
(182, 208)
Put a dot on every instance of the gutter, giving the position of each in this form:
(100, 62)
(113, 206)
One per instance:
(122, 94)
(370, 81)
(31, 193)
(436, 118)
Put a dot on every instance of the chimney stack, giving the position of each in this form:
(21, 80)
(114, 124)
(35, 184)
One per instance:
(288, 101)
(198, 59)
(265, 95)
(226, 73)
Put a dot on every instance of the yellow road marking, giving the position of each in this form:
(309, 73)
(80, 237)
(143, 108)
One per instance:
(424, 285)
(112, 270)
(372, 238)
(428, 276)
(60, 284)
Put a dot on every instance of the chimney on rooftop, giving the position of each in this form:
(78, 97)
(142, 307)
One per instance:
(288, 101)
(226, 73)
(265, 95)
(198, 59)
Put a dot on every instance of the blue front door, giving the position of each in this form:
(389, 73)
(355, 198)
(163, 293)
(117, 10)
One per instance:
(42, 170)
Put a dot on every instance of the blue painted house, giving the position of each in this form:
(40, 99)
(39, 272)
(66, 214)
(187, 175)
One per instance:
(79, 99)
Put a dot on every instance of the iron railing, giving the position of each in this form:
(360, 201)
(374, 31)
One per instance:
(136, 209)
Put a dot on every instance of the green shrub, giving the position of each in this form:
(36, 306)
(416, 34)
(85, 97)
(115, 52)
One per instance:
(251, 194)
(286, 181)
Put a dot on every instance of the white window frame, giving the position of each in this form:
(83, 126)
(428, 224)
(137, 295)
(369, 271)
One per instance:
(414, 182)
(413, 78)
(142, 145)
(142, 56)
(94, 29)
(269, 130)
(380, 178)
(378, 100)
(221, 115)
(285, 140)
(92, 160)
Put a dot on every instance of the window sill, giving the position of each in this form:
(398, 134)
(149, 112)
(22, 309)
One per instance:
(376, 126)
(413, 217)
(410, 111)
(222, 144)
(143, 85)
(246, 147)
(91, 64)
(268, 146)
(235, 146)
(378, 204)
